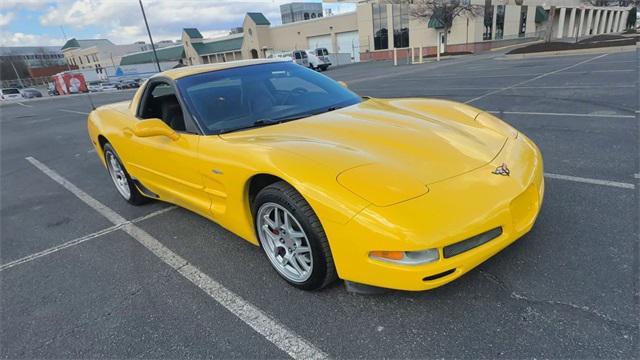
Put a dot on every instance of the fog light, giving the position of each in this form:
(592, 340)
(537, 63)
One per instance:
(406, 257)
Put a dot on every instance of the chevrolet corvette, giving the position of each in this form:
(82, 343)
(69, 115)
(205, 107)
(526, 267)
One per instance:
(405, 193)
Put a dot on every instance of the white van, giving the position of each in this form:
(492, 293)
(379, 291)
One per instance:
(319, 59)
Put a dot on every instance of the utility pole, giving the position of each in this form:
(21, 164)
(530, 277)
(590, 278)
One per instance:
(153, 47)
(17, 75)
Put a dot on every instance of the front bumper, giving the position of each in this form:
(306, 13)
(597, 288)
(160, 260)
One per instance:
(454, 210)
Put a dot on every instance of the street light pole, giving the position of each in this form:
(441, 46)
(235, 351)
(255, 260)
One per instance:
(17, 75)
(153, 47)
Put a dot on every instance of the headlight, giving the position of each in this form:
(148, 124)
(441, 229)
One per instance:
(494, 123)
(406, 257)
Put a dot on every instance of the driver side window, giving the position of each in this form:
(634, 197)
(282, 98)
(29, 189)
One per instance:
(161, 102)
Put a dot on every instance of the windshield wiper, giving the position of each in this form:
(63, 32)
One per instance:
(264, 122)
(267, 122)
(261, 122)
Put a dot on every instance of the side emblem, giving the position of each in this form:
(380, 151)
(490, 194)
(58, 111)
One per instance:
(502, 170)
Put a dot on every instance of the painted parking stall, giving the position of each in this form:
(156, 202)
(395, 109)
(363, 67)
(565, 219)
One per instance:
(539, 295)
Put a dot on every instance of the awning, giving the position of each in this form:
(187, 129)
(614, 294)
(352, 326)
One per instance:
(435, 24)
(541, 15)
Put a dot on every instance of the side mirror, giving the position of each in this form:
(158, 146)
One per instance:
(154, 127)
(343, 84)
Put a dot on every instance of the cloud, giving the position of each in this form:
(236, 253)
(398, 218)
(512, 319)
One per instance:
(5, 19)
(25, 4)
(212, 34)
(122, 21)
(22, 39)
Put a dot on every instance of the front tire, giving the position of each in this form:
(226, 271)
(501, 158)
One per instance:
(292, 237)
(121, 179)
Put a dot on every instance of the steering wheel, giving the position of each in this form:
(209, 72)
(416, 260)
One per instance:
(295, 91)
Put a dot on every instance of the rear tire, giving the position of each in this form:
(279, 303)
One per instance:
(292, 237)
(121, 179)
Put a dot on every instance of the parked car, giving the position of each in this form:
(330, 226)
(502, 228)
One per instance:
(94, 86)
(128, 84)
(30, 93)
(109, 87)
(300, 57)
(10, 94)
(319, 59)
(51, 90)
(261, 132)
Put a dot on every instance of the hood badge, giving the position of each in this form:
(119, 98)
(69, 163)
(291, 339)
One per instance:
(502, 170)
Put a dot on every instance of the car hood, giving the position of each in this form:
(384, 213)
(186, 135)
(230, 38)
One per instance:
(431, 139)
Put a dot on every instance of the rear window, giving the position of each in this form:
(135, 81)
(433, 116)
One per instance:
(10, 91)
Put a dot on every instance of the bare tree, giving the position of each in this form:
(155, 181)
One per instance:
(444, 12)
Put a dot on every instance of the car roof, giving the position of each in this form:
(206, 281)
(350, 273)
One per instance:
(199, 69)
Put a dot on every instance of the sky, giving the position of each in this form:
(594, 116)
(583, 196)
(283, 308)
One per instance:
(42, 22)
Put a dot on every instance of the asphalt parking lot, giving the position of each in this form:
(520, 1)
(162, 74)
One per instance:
(74, 285)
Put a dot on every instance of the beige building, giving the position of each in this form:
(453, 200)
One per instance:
(377, 29)
(100, 54)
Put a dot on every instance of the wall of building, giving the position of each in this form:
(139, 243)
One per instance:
(101, 56)
(466, 33)
(296, 35)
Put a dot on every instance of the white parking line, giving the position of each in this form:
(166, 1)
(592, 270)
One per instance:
(534, 79)
(74, 112)
(282, 337)
(591, 181)
(459, 75)
(82, 239)
(25, 105)
(562, 114)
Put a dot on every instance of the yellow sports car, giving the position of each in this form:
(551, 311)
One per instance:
(397, 193)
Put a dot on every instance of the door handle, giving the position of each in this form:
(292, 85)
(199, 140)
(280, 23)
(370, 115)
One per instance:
(127, 132)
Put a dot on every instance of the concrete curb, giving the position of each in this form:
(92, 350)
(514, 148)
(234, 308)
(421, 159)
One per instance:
(515, 45)
(612, 49)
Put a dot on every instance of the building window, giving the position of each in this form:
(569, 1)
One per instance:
(80, 58)
(488, 20)
(400, 25)
(380, 31)
(499, 22)
(523, 21)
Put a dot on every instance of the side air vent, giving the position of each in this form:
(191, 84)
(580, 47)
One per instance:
(438, 276)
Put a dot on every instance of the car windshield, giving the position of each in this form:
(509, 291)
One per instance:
(10, 91)
(259, 95)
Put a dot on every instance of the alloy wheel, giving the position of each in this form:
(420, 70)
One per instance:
(285, 242)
